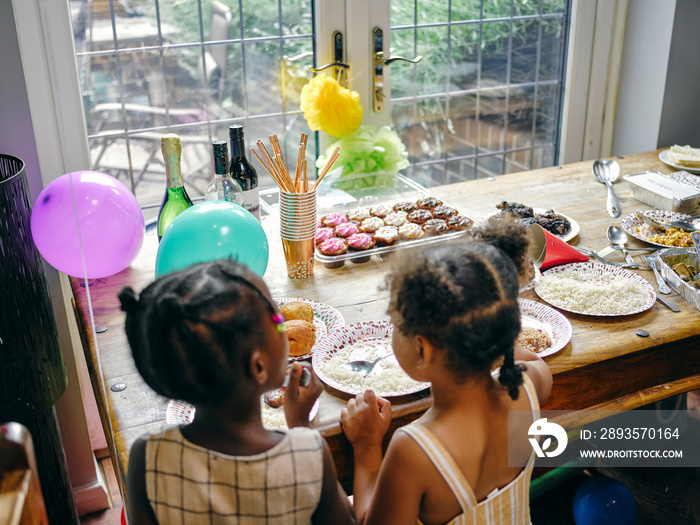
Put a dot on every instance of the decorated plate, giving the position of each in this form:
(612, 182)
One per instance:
(663, 157)
(634, 226)
(573, 231)
(368, 341)
(182, 413)
(547, 319)
(589, 288)
(326, 320)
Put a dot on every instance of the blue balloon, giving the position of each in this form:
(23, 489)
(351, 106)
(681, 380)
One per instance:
(604, 501)
(212, 231)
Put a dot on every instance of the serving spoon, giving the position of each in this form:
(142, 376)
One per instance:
(607, 171)
(618, 237)
(362, 367)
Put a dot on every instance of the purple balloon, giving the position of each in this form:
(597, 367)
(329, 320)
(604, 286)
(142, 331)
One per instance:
(111, 223)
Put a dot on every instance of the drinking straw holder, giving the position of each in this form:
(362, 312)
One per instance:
(298, 226)
(297, 204)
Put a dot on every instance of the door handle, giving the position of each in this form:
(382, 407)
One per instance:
(379, 62)
(339, 67)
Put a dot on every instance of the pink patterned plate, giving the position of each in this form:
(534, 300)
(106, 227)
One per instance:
(326, 320)
(367, 340)
(547, 319)
(596, 278)
(634, 226)
(182, 413)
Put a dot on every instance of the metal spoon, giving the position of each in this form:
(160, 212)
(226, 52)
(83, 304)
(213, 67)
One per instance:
(363, 367)
(618, 237)
(685, 225)
(607, 171)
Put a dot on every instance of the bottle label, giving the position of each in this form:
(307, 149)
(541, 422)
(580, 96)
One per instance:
(251, 202)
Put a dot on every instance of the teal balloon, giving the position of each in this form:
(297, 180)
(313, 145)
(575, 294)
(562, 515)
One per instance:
(212, 231)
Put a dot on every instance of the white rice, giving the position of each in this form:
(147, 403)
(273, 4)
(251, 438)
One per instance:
(272, 417)
(602, 294)
(386, 378)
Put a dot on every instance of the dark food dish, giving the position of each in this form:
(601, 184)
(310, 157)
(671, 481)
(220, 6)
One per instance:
(549, 220)
(388, 226)
(436, 226)
(428, 203)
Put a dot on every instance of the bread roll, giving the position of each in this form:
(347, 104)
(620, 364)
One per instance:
(296, 310)
(684, 156)
(302, 337)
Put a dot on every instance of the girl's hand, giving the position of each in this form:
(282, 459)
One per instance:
(298, 400)
(366, 419)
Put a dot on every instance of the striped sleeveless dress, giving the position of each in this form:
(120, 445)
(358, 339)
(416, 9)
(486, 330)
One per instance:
(509, 505)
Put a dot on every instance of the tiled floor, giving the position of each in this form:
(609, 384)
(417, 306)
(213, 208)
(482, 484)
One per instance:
(109, 516)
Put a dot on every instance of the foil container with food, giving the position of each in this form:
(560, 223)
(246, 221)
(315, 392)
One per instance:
(680, 268)
(662, 192)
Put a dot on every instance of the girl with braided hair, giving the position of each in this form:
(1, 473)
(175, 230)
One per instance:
(456, 319)
(211, 335)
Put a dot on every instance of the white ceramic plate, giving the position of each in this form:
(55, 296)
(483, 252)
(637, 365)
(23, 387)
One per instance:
(663, 157)
(547, 319)
(375, 338)
(326, 320)
(573, 232)
(182, 413)
(634, 226)
(595, 274)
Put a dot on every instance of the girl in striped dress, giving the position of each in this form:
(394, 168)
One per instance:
(456, 319)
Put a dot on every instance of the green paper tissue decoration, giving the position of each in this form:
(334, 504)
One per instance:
(378, 152)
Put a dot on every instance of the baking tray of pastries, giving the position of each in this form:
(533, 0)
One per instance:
(357, 234)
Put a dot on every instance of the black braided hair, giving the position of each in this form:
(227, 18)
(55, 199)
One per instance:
(192, 332)
(461, 296)
(509, 236)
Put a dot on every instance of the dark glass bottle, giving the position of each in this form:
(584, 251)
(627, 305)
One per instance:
(243, 171)
(175, 200)
(222, 187)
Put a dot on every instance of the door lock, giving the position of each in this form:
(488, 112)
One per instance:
(379, 62)
(339, 67)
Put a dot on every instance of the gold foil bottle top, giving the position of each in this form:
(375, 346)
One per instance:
(170, 145)
(172, 149)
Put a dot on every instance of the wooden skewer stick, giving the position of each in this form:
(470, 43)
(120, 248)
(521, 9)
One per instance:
(327, 167)
(281, 180)
(306, 178)
(273, 173)
(275, 143)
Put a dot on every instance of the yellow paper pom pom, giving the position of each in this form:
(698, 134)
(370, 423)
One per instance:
(330, 107)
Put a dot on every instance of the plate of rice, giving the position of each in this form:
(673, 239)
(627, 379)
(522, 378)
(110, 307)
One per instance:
(367, 340)
(182, 413)
(634, 226)
(545, 331)
(589, 288)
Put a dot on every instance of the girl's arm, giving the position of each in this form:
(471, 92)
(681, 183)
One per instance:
(298, 400)
(365, 421)
(537, 370)
(140, 510)
(334, 506)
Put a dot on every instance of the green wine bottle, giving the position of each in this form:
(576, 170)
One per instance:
(175, 200)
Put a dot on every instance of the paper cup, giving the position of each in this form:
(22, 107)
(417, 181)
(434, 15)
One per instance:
(299, 256)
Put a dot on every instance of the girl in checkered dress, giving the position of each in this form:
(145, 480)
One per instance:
(456, 318)
(211, 335)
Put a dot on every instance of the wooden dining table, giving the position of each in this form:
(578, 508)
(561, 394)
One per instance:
(606, 365)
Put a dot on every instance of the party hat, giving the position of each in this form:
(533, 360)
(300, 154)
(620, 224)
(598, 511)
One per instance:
(548, 250)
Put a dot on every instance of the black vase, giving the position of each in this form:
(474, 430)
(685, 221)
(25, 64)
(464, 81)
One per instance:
(32, 373)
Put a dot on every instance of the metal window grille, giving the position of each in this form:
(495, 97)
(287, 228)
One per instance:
(502, 118)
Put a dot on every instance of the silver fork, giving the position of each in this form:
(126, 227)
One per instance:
(654, 263)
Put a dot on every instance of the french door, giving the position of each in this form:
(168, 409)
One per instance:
(484, 99)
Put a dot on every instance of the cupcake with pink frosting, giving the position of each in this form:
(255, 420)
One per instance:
(360, 241)
(334, 219)
(346, 229)
(323, 234)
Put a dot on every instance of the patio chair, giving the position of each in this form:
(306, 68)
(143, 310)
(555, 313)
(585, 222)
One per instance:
(108, 146)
